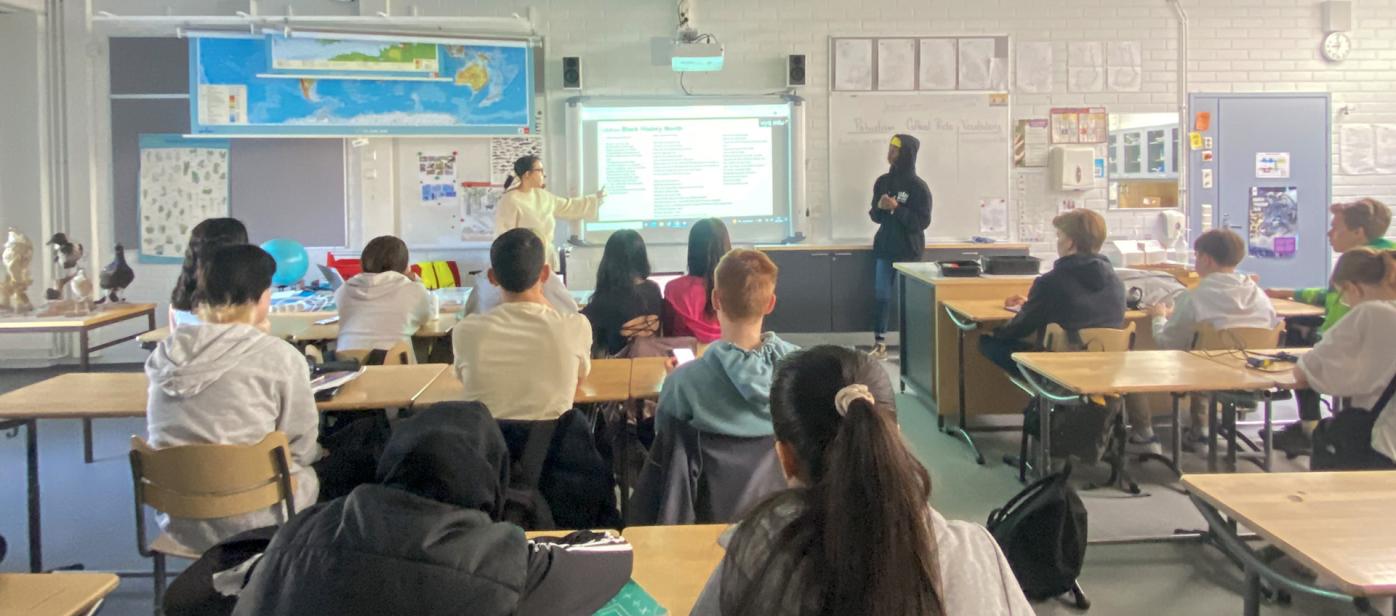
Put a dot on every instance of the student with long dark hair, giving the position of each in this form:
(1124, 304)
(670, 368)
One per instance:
(623, 291)
(225, 382)
(855, 533)
(688, 300)
(206, 237)
(527, 204)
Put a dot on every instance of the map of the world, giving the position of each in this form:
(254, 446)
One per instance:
(309, 86)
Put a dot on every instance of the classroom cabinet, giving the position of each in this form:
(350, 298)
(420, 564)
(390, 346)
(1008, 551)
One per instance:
(1144, 153)
(831, 289)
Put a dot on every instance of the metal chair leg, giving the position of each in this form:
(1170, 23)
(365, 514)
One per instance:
(159, 583)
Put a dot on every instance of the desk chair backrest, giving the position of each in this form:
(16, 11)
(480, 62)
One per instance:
(1093, 339)
(400, 354)
(212, 481)
(1208, 338)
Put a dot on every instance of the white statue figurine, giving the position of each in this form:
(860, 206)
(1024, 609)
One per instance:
(81, 289)
(18, 253)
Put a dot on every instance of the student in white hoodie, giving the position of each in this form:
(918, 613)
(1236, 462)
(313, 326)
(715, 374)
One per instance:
(1353, 359)
(1223, 299)
(224, 381)
(382, 306)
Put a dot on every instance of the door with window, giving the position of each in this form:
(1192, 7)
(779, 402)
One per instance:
(1264, 172)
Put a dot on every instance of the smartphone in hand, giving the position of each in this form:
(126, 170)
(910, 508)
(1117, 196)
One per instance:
(682, 355)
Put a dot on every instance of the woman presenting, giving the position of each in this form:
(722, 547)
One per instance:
(901, 206)
(530, 206)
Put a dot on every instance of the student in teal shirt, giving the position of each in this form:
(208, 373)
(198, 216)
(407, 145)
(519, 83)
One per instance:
(1361, 223)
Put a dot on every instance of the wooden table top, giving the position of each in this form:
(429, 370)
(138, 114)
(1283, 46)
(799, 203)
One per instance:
(77, 395)
(1337, 524)
(285, 325)
(930, 273)
(647, 377)
(436, 328)
(673, 563)
(992, 310)
(53, 594)
(1139, 372)
(1281, 374)
(609, 381)
(930, 246)
(103, 315)
(1288, 308)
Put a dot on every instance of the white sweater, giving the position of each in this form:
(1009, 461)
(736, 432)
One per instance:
(1221, 300)
(537, 210)
(377, 311)
(232, 384)
(1354, 360)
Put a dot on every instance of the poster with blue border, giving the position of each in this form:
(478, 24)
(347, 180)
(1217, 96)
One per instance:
(307, 86)
(181, 182)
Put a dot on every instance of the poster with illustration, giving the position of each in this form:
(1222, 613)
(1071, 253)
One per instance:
(1274, 222)
(436, 174)
(181, 183)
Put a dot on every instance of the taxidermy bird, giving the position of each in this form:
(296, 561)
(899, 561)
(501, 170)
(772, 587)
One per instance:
(66, 256)
(81, 288)
(115, 277)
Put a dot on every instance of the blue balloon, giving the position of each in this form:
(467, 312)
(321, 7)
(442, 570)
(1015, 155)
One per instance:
(291, 260)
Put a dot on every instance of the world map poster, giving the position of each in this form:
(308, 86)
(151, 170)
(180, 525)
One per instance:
(313, 86)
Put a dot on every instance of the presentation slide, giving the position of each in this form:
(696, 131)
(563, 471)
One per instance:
(664, 167)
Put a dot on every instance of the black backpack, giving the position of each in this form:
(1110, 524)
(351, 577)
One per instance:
(1343, 442)
(1042, 532)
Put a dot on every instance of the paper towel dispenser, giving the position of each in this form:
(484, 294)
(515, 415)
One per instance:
(1072, 167)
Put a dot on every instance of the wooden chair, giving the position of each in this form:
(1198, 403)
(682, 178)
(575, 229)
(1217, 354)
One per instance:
(1208, 338)
(205, 482)
(1096, 340)
(400, 354)
(643, 326)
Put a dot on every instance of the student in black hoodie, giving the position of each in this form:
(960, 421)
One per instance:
(1080, 292)
(426, 539)
(901, 206)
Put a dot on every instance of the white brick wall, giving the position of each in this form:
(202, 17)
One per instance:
(1236, 46)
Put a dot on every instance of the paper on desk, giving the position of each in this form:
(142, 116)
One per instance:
(632, 600)
(331, 380)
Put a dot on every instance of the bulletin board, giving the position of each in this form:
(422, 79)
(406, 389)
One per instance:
(447, 189)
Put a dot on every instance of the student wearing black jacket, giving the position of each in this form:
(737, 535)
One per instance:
(426, 539)
(1081, 291)
(901, 206)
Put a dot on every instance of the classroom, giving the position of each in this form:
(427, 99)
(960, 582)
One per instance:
(697, 307)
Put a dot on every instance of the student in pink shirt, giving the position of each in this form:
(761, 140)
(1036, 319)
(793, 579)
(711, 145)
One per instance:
(688, 300)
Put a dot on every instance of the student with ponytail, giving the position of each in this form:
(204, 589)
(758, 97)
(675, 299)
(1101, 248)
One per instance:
(526, 203)
(1353, 359)
(855, 533)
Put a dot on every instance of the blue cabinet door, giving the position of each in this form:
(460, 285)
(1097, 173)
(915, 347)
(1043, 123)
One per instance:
(1270, 181)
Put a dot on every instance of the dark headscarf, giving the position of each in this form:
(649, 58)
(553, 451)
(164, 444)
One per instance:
(453, 454)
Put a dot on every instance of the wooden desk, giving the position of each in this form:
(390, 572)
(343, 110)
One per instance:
(647, 377)
(1137, 372)
(53, 594)
(609, 381)
(83, 326)
(1281, 374)
(439, 327)
(673, 563)
(89, 395)
(1288, 308)
(284, 325)
(1336, 524)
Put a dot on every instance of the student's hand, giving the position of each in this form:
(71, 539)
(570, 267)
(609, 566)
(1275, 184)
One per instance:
(1280, 293)
(670, 365)
(601, 194)
(1162, 309)
(887, 203)
(1015, 301)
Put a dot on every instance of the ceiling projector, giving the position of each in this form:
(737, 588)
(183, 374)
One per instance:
(693, 57)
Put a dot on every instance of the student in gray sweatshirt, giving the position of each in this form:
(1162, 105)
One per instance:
(382, 306)
(224, 381)
(727, 391)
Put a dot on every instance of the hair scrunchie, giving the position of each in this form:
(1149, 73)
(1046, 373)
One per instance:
(844, 399)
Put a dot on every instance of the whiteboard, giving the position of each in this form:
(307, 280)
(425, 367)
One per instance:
(966, 156)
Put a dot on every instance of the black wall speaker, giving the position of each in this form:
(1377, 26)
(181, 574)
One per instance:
(571, 73)
(795, 70)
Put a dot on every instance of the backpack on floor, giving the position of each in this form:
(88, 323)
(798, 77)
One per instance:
(1343, 442)
(1042, 532)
